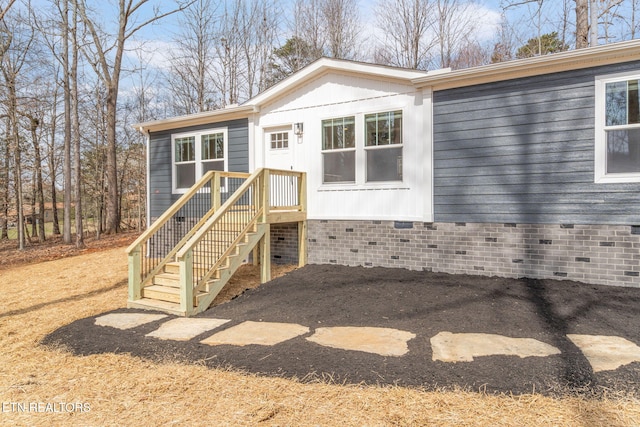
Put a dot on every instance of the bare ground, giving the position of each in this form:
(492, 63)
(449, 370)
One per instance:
(119, 389)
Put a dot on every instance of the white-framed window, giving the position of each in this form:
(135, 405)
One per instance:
(617, 139)
(279, 140)
(339, 150)
(194, 154)
(383, 146)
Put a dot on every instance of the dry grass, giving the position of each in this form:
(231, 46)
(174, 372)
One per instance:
(123, 390)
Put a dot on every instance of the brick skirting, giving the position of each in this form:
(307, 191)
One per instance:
(284, 243)
(598, 254)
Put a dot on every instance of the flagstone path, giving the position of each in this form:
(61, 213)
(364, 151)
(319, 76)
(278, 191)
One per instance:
(603, 352)
(357, 325)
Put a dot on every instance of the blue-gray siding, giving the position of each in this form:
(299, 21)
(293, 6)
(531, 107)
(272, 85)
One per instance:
(522, 151)
(161, 197)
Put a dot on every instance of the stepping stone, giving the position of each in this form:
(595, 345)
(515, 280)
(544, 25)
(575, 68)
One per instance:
(449, 347)
(260, 333)
(382, 341)
(127, 320)
(184, 329)
(606, 353)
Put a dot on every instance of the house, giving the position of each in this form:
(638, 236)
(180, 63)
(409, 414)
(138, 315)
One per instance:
(523, 168)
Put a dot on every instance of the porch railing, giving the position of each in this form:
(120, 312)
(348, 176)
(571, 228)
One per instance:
(162, 240)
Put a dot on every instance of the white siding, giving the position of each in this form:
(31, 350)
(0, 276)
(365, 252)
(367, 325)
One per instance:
(338, 95)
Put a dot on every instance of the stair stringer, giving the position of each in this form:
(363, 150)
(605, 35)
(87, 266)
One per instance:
(234, 261)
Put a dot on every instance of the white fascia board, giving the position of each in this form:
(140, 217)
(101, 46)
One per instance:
(327, 65)
(612, 53)
(230, 113)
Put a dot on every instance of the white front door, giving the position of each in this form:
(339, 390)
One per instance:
(279, 147)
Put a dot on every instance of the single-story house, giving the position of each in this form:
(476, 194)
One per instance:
(522, 168)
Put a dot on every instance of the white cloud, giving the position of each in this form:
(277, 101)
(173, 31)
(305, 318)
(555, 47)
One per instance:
(488, 20)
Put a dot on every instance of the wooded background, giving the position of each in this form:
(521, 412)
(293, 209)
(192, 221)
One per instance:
(75, 75)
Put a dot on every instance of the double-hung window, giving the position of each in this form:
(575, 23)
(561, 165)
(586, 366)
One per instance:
(618, 128)
(383, 146)
(196, 153)
(339, 150)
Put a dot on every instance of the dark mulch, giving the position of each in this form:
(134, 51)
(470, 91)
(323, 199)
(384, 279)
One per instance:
(419, 302)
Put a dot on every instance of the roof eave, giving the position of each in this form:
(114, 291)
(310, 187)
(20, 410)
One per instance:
(232, 113)
(565, 61)
(325, 65)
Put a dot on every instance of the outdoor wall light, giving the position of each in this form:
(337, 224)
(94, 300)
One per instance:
(298, 128)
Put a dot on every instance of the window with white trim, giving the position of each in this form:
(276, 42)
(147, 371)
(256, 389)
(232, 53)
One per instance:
(279, 140)
(196, 153)
(383, 146)
(618, 128)
(339, 150)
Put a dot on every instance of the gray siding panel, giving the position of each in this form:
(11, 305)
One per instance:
(522, 151)
(160, 160)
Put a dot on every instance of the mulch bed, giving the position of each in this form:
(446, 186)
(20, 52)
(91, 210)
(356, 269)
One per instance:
(420, 302)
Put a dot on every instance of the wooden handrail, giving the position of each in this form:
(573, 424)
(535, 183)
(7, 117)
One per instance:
(203, 280)
(162, 219)
(227, 204)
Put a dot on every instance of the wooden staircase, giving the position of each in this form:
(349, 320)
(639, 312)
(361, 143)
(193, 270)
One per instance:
(192, 271)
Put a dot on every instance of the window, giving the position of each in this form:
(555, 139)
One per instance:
(618, 128)
(279, 140)
(196, 153)
(339, 150)
(185, 161)
(383, 146)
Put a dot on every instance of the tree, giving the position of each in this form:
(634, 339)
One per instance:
(406, 25)
(503, 48)
(191, 82)
(105, 56)
(548, 43)
(455, 27)
(17, 40)
(341, 27)
(469, 54)
(582, 24)
(331, 27)
(294, 55)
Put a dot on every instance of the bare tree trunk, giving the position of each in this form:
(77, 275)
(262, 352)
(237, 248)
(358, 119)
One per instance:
(39, 193)
(4, 189)
(66, 227)
(582, 24)
(33, 218)
(17, 157)
(52, 171)
(10, 72)
(106, 61)
(76, 130)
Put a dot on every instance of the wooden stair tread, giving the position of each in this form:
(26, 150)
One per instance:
(154, 304)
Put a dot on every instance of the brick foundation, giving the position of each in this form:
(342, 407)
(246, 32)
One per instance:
(284, 243)
(597, 254)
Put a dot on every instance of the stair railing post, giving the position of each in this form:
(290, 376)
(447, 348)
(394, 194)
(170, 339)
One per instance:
(215, 191)
(135, 279)
(266, 194)
(302, 225)
(186, 283)
(265, 242)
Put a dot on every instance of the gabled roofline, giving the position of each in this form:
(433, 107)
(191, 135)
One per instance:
(438, 80)
(323, 65)
(564, 61)
(316, 68)
(228, 113)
